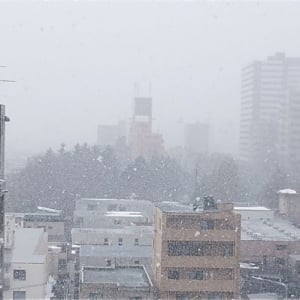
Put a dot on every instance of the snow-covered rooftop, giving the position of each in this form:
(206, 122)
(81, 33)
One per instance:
(129, 277)
(134, 214)
(274, 229)
(287, 191)
(252, 208)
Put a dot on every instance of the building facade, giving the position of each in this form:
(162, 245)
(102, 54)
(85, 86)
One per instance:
(196, 253)
(142, 141)
(270, 114)
(27, 265)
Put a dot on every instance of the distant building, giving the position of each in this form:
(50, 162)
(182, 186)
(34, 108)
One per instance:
(109, 135)
(112, 213)
(270, 115)
(289, 205)
(116, 283)
(27, 266)
(196, 252)
(196, 138)
(142, 141)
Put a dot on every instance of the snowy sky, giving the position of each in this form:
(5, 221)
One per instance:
(76, 63)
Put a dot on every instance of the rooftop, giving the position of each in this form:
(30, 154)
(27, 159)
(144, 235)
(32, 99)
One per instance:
(121, 276)
(27, 241)
(252, 208)
(274, 229)
(170, 206)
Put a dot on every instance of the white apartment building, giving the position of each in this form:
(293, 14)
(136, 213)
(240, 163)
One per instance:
(126, 236)
(26, 276)
(270, 109)
(111, 213)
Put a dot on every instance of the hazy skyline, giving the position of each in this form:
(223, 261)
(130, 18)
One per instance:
(76, 63)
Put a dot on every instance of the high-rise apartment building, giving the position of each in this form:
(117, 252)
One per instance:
(142, 141)
(196, 252)
(270, 109)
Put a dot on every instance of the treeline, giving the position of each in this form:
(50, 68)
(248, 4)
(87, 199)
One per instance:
(57, 178)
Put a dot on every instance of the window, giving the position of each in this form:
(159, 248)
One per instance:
(281, 247)
(207, 224)
(117, 222)
(20, 274)
(95, 296)
(105, 241)
(136, 262)
(135, 298)
(120, 243)
(19, 295)
(108, 263)
(136, 241)
(228, 249)
(196, 275)
(172, 274)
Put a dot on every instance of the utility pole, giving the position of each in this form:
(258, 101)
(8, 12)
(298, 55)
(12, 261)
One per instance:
(3, 191)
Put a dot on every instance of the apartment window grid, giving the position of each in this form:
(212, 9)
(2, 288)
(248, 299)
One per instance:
(194, 222)
(200, 248)
(200, 274)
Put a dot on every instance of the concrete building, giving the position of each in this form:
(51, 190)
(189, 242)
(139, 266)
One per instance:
(142, 141)
(132, 235)
(26, 276)
(116, 283)
(289, 205)
(270, 115)
(112, 213)
(196, 138)
(109, 135)
(196, 252)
